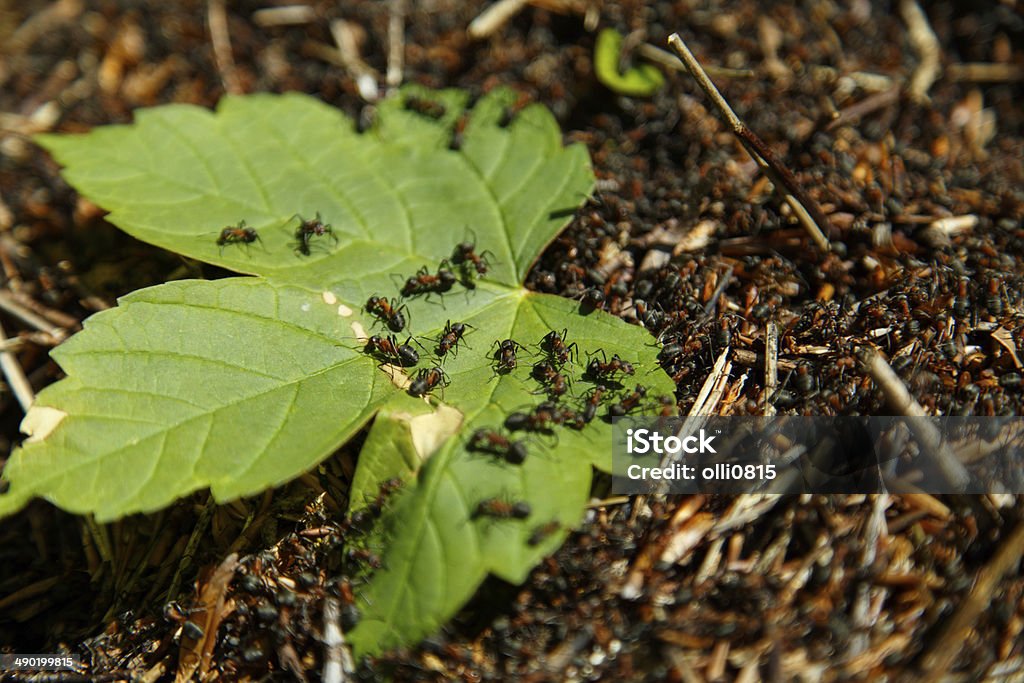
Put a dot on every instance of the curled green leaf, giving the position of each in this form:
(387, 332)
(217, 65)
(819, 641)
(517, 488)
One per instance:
(642, 80)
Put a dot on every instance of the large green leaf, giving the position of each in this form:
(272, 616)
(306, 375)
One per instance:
(235, 385)
(241, 384)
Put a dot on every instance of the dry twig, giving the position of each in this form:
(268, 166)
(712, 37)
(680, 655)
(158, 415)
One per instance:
(927, 45)
(217, 17)
(903, 403)
(15, 376)
(396, 43)
(939, 658)
(806, 209)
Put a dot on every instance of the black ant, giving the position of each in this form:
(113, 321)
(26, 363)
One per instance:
(426, 380)
(308, 229)
(237, 234)
(389, 350)
(505, 355)
(647, 316)
(628, 403)
(606, 369)
(469, 261)
(556, 348)
(500, 509)
(540, 420)
(425, 283)
(593, 401)
(542, 533)
(555, 382)
(450, 337)
(591, 300)
(389, 312)
(488, 441)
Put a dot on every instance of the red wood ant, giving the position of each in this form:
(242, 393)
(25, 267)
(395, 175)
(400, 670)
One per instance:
(543, 532)
(384, 491)
(388, 312)
(505, 355)
(628, 403)
(501, 509)
(607, 369)
(426, 380)
(556, 348)
(237, 234)
(308, 229)
(425, 283)
(593, 400)
(424, 107)
(488, 441)
(470, 262)
(389, 350)
(450, 337)
(552, 380)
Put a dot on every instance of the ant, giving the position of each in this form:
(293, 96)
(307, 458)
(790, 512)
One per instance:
(540, 420)
(488, 441)
(500, 509)
(424, 107)
(505, 355)
(606, 369)
(469, 261)
(425, 283)
(308, 229)
(543, 532)
(237, 234)
(555, 382)
(389, 350)
(389, 312)
(593, 400)
(628, 403)
(556, 348)
(426, 380)
(450, 337)
(591, 300)
(359, 556)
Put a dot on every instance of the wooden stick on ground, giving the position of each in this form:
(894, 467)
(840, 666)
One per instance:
(217, 16)
(15, 376)
(922, 37)
(939, 658)
(806, 209)
(771, 367)
(903, 403)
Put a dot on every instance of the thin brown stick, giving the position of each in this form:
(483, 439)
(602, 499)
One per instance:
(220, 38)
(939, 658)
(806, 209)
(902, 402)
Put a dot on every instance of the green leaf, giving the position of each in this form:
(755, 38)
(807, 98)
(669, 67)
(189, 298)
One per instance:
(241, 384)
(235, 385)
(430, 539)
(642, 80)
(180, 174)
